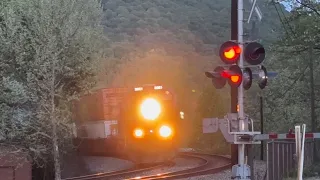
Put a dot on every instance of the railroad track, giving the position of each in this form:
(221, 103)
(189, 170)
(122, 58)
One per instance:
(117, 174)
(209, 164)
(212, 164)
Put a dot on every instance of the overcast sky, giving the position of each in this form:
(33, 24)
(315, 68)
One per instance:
(288, 8)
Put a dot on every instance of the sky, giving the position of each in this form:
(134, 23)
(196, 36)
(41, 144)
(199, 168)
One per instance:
(287, 5)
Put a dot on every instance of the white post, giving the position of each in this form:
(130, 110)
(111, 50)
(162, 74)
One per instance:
(301, 158)
(298, 147)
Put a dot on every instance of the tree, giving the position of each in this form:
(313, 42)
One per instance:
(50, 51)
(211, 103)
(291, 91)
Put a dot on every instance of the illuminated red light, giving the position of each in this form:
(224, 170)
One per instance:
(232, 52)
(225, 74)
(235, 78)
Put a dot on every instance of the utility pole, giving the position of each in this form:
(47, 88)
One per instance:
(312, 96)
(234, 90)
(261, 125)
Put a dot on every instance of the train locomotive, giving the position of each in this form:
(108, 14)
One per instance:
(138, 123)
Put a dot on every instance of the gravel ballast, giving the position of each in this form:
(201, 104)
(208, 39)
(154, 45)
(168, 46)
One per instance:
(84, 165)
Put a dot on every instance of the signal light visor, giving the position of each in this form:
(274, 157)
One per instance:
(247, 78)
(254, 53)
(263, 77)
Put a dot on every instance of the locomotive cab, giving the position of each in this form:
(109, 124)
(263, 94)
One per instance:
(148, 122)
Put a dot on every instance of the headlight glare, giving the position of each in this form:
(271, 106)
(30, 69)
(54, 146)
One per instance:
(138, 133)
(150, 109)
(165, 131)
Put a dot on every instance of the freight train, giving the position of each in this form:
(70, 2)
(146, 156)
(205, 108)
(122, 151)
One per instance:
(140, 123)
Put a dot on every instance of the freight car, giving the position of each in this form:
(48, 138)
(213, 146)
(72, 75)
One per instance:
(139, 123)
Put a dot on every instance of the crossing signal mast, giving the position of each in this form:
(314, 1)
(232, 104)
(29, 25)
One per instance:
(234, 54)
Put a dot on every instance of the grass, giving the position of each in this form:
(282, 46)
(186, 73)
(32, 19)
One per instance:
(308, 172)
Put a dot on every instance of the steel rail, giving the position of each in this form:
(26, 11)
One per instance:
(118, 173)
(207, 168)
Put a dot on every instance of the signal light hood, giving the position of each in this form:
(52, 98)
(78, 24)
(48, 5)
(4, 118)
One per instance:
(247, 78)
(263, 77)
(254, 53)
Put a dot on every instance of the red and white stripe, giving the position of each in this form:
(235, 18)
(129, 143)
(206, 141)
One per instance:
(273, 136)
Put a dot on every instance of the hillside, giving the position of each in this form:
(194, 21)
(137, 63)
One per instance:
(173, 43)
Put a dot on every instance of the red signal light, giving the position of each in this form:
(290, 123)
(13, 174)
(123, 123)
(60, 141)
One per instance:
(234, 75)
(235, 78)
(225, 74)
(230, 52)
(220, 75)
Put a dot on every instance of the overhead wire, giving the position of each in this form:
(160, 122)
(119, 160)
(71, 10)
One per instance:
(301, 74)
(284, 27)
(287, 21)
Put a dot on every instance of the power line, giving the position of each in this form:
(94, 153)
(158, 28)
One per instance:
(285, 18)
(284, 27)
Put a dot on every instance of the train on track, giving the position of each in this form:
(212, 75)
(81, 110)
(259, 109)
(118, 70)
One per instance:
(139, 123)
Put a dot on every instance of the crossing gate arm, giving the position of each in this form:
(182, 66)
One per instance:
(274, 136)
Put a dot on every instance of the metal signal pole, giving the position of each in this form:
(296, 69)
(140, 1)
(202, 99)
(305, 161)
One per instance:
(242, 126)
(234, 91)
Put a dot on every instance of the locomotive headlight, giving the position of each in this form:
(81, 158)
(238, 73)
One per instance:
(150, 109)
(138, 133)
(165, 131)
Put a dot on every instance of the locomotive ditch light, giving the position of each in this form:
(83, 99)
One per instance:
(254, 53)
(263, 77)
(247, 78)
(150, 109)
(217, 80)
(138, 133)
(165, 131)
(230, 52)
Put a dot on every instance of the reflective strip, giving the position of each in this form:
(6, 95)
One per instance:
(284, 136)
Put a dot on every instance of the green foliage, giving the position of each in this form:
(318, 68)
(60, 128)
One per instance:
(49, 50)
(186, 34)
(288, 95)
(211, 104)
(168, 42)
(208, 21)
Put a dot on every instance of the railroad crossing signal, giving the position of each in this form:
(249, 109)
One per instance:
(230, 52)
(220, 76)
(254, 53)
